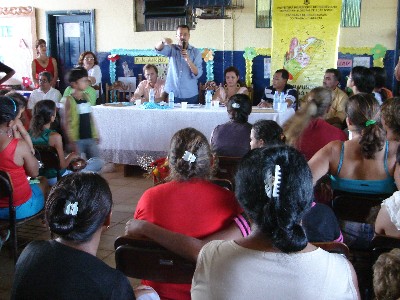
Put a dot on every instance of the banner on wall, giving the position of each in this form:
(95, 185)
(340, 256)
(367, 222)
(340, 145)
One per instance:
(305, 40)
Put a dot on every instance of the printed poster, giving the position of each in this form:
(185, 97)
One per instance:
(305, 37)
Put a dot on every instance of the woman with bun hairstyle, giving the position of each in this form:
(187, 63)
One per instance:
(307, 130)
(78, 210)
(276, 261)
(365, 164)
(233, 138)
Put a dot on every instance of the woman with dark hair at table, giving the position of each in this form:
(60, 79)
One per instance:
(78, 210)
(274, 186)
(189, 203)
(232, 86)
(381, 93)
(233, 138)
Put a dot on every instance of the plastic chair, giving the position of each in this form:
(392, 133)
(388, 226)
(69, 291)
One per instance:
(6, 191)
(145, 259)
(227, 167)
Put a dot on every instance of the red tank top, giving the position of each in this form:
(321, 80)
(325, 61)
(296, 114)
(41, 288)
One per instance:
(22, 190)
(48, 68)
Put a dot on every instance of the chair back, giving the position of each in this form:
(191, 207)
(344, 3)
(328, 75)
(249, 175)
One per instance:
(224, 183)
(381, 244)
(356, 207)
(227, 167)
(48, 156)
(334, 247)
(6, 188)
(117, 92)
(145, 259)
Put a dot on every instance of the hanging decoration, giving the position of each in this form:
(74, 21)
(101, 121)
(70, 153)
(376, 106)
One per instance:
(207, 55)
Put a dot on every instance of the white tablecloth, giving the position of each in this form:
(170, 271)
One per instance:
(127, 133)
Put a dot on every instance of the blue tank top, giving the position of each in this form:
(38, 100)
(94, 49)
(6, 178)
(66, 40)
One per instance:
(383, 186)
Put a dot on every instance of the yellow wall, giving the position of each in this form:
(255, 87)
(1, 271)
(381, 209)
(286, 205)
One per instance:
(115, 25)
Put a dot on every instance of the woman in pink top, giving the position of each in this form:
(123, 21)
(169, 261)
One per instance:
(18, 161)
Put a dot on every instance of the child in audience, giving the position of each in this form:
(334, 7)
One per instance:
(387, 276)
(78, 122)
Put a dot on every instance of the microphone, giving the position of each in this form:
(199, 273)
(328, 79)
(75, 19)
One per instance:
(184, 44)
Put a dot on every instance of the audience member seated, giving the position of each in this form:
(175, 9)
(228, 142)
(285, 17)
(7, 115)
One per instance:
(365, 164)
(381, 93)
(152, 82)
(388, 220)
(307, 130)
(18, 161)
(43, 63)
(390, 118)
(189, 204)
(361, 80)
(266, 133)
(233, 138)
(22, 121)
(280, 85)
(277, 249)
(319, 223)
(44, 92)
(88, 60)
(387, 276)
(336, 113)
(78, 210)
(232, 86)
(44, 113)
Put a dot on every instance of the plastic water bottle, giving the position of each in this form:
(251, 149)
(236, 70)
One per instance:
(151, 96)
(275, 104)
(171, 99)
(208, 99)
(283, 105)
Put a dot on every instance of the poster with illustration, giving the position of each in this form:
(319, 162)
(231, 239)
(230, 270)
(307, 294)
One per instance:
(305, 38)
(17, 38)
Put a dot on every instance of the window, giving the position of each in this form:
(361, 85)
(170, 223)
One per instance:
(350, 16)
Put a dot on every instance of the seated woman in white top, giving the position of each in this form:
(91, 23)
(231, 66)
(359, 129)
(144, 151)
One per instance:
(89, 61)
(276, 261)
(231, 86)
(388, 219)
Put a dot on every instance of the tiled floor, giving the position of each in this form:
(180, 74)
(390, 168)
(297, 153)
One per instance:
(126, 193)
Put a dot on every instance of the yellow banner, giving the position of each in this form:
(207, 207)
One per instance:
(305, 40)
(142, 60)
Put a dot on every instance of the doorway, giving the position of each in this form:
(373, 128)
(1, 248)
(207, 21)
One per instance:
(69, 34)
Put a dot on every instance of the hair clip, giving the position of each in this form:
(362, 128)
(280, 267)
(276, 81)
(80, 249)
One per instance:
(189, 156)
(13, 101)
(277, 181)
(71, 208)
(235, 105)
(273, 183)
(370, 122)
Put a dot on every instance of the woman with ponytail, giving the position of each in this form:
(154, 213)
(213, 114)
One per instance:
(366, 164)
(276, 261)
(307, 130)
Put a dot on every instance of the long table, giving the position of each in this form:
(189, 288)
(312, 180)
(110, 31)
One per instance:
(128, 133)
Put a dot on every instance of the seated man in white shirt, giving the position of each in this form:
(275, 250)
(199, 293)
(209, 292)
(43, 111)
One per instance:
(44, 92)
(152, 82)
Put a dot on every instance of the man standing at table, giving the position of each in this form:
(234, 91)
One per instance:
(152, 82)
(184, 67)
(279, 84)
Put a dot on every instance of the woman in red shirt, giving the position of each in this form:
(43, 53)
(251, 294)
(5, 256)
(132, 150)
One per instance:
(43, 63)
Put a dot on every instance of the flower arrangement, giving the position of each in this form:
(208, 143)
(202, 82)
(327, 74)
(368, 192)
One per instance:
(157, 169)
